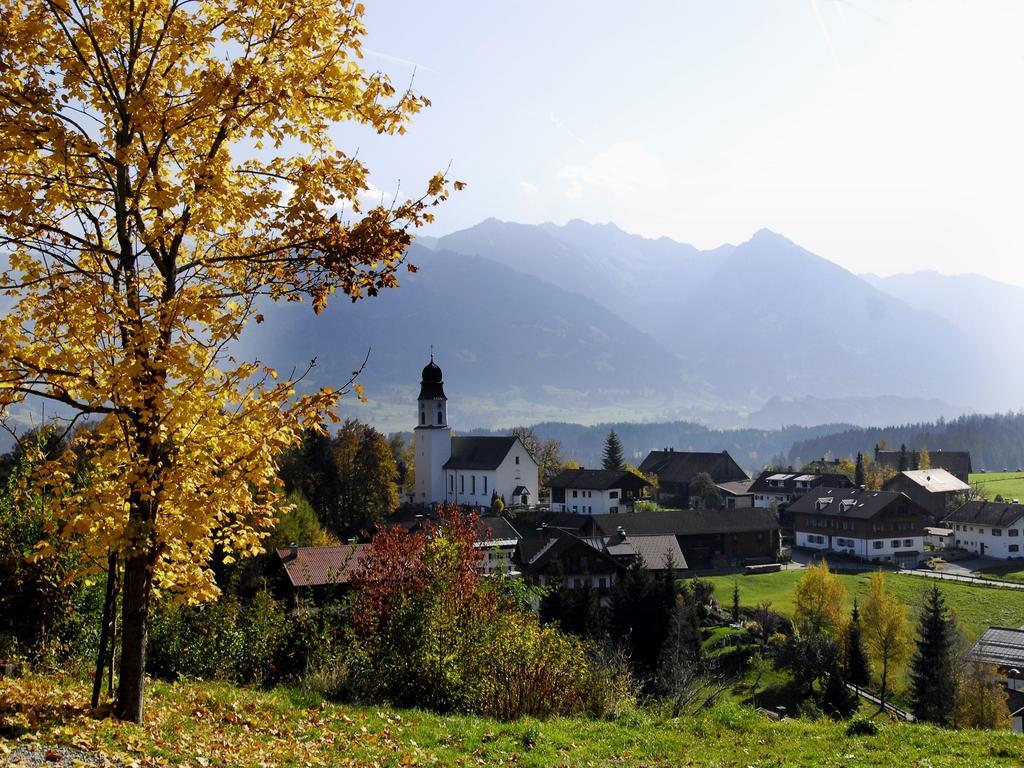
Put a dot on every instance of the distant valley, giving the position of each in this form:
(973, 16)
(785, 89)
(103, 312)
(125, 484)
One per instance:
(586, 323)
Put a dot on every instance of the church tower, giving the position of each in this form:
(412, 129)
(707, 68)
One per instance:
(433, 436)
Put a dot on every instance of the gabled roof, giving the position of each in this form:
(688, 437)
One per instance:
(735, 488)
(1001, 646)
(479, 451)
(318, 566)
(497, 528)
(997, 514)
(788, 481)
(856, 503)
(957, 462)
(935, 480)
(656, 549)
(689, 522)
(596, 479)
(555, 547)
(683, 466)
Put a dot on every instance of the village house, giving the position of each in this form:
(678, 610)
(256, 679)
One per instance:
(596, 491)
(783, 488)
(957, 463)
(736, 493)
(675, 471)
(874, 526)
(988, 528)
(466, 470)
(318, 573)
(936, 489)
(1003, 647)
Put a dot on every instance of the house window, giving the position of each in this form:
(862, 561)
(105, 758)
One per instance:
(451, 483)
(1012, 532)
(908, 542)
(895, 543)
(958, 527)
(472, 481)
(997, 531)
(1014, 547)
(517, 459)
(613, 494)
(877, 544)
(462, 483)
(981, 530)
(485, 485)
(575, 508)
(574, 494)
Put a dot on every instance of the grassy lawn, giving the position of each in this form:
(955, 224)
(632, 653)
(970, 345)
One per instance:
(206, 724)
(976, 607)
(1009, 485)
(1007, 571)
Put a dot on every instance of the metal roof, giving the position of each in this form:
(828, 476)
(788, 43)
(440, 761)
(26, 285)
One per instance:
(318, 566)
(1001, 646)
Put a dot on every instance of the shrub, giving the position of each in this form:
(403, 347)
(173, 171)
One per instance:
(861, 727)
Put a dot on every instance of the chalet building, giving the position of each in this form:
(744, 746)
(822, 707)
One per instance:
(783, 488)
(596, 491)
(874, 526)
(957, 463)
(563, 557)
(466, 470)
(989, 529)
(736, 494)
(676, 469)
(498, 545)
(319, 572)
(1003, 647)
(937, 490)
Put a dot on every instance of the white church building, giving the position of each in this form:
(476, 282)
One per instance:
(466, 470)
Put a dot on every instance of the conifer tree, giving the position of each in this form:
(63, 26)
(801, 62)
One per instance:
(904, 460)
(858, 472)
(612, 457)
(857, 669)
(735, 602)
(932, 669)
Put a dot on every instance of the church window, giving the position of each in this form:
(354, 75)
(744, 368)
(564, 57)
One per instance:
(439, 420)
(451, 483)
(485, 485)
(472, 486)
(462, 483)
(423, 417)
(517, 459)
(574, 494)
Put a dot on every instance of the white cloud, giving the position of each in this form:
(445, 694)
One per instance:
(623, 170)
(530, 190)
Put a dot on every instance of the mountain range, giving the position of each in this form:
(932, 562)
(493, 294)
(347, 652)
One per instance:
(587, 323)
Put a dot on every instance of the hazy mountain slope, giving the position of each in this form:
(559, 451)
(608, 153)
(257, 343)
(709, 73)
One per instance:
(512, 348)
(776, 319)
(863, 411)
(639, 279)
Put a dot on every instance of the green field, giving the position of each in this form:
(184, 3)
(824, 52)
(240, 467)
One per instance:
(209, 724)
(1009, 485)
(976, 607)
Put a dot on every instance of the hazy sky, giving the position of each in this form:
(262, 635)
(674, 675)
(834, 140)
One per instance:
(886, 136)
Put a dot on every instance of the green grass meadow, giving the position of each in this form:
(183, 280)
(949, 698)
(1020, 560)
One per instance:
(976, 607)
(1009, 485)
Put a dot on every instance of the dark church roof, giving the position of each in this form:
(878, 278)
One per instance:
(479, 452)
(431, 387)
(683, 466)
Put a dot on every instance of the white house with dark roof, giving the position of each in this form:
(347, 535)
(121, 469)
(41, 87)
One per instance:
(466, 470)
(875, 526)
(596, 491)
(988, 528)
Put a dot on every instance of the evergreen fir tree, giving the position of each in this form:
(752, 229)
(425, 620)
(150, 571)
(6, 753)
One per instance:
(904, 461)
(612, 457)
(735, 602)
(857, 670)
(858, 471)
(933, 667)
(839, 701)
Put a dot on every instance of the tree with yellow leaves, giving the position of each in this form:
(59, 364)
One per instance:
(819, 602)
(886, 632)
(164, 164)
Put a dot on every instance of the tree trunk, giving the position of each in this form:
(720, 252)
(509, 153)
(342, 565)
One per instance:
(108, 610)
(138, 582)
